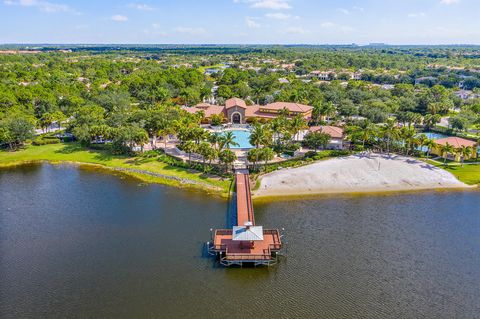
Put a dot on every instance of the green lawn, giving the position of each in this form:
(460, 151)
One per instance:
(469, 174)
(74, 152)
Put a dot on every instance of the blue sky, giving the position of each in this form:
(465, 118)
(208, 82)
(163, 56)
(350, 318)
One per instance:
(241, 21)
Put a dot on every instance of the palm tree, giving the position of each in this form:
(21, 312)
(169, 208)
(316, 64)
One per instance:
(228, 139)
(260, 135)
(390, 133)
(329, 110)
(227, 157)
(465, 152)
(367, 133)
(199, 134)
(445, 150)
(317, 112)
(297, 124)
(267, 155)
(189, 147)
(165, 132)
(431, 119)
(407, 134)
(278, 127)
(215, 139)
(422, 139)
(205, 150)
(430, 144)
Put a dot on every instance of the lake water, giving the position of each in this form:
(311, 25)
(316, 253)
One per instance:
(79, 243)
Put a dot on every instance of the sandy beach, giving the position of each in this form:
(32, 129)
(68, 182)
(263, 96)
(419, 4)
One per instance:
(357, 174)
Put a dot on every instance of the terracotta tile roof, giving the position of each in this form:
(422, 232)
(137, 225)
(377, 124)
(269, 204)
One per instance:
(293, 107)
(251, 110)
(254, 111)
(212, 109)
(333, 131)
(191, 110)
(235, 102)
(203, 105)
(456, 142)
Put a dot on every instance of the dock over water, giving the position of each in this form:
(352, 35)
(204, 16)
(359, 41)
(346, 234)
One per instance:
(245, 242)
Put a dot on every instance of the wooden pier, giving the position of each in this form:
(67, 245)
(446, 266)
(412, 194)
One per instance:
(245, 243)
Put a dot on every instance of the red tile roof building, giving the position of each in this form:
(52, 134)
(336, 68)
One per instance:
(238, 112)
(333, 131)
(456, 142)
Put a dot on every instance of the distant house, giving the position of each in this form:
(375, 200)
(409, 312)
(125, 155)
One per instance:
(211, 71)
(356, 76)
(336, 133)
(466, 94)
(323, 75)
(288, 66)
(425, 79)
(461, 84)
(457, 143)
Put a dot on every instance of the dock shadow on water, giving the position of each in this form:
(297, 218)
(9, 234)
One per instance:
(79, 244)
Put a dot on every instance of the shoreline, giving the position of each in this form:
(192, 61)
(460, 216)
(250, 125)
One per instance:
(181, 183)
(365, 192)
(398, 174)
(141, 175)
(145, 169)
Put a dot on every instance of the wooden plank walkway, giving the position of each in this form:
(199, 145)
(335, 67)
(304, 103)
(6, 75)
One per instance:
(244, 199)
(234, 252)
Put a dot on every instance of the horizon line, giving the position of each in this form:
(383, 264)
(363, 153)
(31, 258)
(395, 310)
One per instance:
(240, 44)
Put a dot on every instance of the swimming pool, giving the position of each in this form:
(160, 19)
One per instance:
(242, 137)
(431, 136)
(434, 136)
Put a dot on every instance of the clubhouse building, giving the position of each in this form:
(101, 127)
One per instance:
(236, 111)
(457, 143)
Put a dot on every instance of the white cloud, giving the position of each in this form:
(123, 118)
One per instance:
(251, 23)
(296, 30)
(448, 2)
(119, 18)
(281, 16)
(350, 11)
(141, 6)
(44, 6)
(267, 4)
(190, 31)
(417, 15)
(327, 24)
(155, 30)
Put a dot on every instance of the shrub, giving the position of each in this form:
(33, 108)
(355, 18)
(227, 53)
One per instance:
(149, 154)
(45, 140)
(310, 154)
